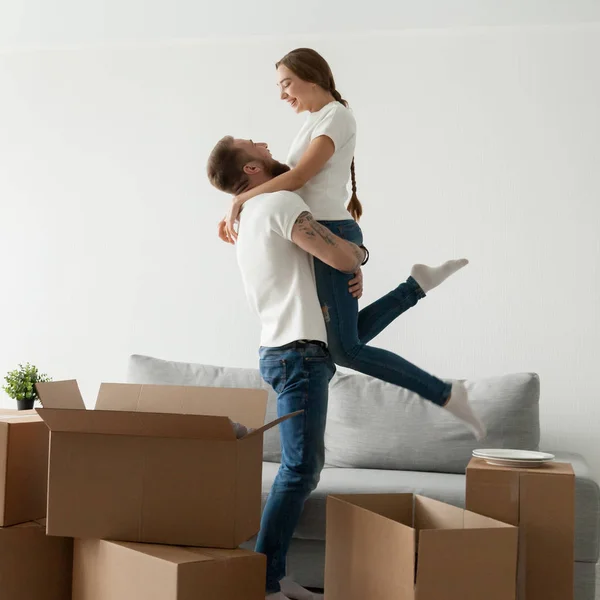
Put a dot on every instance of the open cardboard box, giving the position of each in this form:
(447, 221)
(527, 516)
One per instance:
(541, 502)
(23, 467)
(105, 570)
(155, 464)
(405, 547)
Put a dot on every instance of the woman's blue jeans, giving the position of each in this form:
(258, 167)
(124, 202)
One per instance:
(350, 330)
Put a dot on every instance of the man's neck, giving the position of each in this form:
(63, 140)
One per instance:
(258, 180)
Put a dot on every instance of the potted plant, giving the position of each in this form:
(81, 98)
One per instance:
(20, 385)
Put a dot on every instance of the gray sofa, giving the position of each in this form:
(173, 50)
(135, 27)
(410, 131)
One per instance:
(381, 439)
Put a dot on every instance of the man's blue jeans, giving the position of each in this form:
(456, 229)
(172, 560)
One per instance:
(349, 331)
(300, 376)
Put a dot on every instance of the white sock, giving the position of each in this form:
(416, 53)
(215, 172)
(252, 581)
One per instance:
(430, 277)
(294, 591)
(277, 596)
(460, 407)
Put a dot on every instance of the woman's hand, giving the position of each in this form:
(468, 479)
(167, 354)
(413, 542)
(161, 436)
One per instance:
(232, 216)
(355, 285)
(222, 232)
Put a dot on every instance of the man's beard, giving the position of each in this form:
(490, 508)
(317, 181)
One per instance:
(275, 168)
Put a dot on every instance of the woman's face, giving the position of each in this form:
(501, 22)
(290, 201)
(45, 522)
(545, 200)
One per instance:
(299, 94)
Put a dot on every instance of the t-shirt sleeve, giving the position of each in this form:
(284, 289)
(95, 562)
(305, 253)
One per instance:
(338, 125)
(284, 210)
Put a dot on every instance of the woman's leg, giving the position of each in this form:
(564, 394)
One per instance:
(375, 317)
(340, 310)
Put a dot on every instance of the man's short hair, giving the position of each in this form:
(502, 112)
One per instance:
(225, 167)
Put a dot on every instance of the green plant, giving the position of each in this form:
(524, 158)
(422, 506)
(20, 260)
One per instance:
(20, 383)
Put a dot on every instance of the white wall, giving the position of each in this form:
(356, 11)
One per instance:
(39, 22)
(482, 142)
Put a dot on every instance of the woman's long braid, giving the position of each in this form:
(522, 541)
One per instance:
(354, 206)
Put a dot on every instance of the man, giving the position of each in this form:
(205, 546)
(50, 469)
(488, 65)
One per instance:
(277, 240)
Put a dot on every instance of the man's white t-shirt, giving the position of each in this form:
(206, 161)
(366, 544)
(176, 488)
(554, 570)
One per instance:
(278, 276)
(327, 193)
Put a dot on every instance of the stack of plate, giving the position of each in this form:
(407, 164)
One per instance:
(523, 459)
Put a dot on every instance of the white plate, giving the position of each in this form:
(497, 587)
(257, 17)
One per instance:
(516, 464)
(503, 454)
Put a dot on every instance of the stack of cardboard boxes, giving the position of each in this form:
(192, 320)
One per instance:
(151, 494)
(148, 496)
(516, 540)
(32, 565)
(541, 502)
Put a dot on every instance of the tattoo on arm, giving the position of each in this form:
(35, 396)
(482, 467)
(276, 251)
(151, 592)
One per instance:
(359, 254)
(311, 228)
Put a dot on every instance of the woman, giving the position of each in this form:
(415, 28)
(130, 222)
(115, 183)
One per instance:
(322, 162)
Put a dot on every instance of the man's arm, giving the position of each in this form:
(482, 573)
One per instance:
(317, 240)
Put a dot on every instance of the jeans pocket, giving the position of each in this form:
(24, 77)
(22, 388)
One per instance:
(320, 365)
(274, 372)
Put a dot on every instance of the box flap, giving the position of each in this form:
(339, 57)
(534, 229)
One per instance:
(60, 394)
(476, 521)
(368, 555)
(432, 514)
(112, 422)
(261, 430)
(397, 507)
(246, 406)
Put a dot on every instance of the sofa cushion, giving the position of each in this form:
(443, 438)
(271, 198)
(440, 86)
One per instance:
(153, 371)
(445, 487)
(372, 424)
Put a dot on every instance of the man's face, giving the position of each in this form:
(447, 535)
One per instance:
(256, 150)
(260, 155)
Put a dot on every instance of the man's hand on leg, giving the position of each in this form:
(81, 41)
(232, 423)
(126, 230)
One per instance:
(356, 285)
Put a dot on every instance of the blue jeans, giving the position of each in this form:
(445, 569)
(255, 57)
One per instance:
(301, 377)
(349, 331)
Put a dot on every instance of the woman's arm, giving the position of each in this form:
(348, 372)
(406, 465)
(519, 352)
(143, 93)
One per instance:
(319, 151)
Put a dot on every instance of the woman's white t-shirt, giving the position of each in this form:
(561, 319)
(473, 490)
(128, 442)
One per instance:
(326, 194)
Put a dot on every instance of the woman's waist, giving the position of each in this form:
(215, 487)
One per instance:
(325, 208)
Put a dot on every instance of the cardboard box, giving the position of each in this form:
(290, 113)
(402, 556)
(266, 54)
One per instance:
(542, 503)
(128, 571)
(156, 464)
(405, 547)
(34, 566)
(23, 467)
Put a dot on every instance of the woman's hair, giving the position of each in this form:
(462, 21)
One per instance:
(310, 66)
